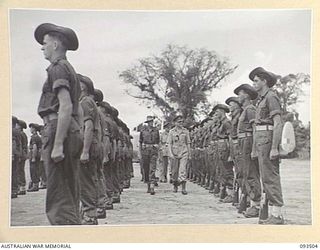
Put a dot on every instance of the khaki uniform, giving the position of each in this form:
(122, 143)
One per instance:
(249, 169)
(149, 140)
(164, 154)
(268, 106)
(89, 177)
(224, 168)
(24, 156)
(62, 200)
(179, 141)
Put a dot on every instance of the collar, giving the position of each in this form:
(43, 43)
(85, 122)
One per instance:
(263, 94)
(62, 57)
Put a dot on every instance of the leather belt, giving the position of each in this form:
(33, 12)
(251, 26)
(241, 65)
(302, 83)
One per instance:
(244, 135)
(264, 128)
(50, 117)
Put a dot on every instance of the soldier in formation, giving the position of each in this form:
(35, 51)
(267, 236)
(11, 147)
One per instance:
(84, 155)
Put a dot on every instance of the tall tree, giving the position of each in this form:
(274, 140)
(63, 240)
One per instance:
(290, 88)
(177, 80)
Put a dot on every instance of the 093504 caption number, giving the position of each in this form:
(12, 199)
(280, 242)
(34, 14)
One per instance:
(308, 246)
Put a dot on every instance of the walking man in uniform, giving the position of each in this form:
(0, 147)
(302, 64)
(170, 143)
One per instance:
(267, 136)
(59, 109)
(164, 153)
(180, 152)
(149, 145)
(16, 154)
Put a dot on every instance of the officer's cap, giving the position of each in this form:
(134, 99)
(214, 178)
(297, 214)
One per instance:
(69, 34)
(248, 89)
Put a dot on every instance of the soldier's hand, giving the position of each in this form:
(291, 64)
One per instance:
(33, 160)
(254, 155)
(84, 158)
(274, 154)
(57, 153)
(105, 160)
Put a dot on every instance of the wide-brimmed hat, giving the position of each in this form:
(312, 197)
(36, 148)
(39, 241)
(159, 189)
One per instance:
(248, 89)
(14, 120)
(270, 77)
(98, 95)
(88, 82)
(22, 124)
(107, 107)
(233, 99)
(69, 34)
(205, 120)
(150, 118)
(219, 106)
(33, 125)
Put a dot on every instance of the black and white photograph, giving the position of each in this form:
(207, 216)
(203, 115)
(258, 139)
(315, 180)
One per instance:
(143, 117)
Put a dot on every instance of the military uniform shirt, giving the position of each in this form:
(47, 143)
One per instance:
(247, 115)
(234, 126)
(179, 139)
(60, 75)
(224, 128)
(149, 136)
(268, 106)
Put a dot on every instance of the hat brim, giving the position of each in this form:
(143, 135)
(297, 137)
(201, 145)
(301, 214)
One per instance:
(271, 77)
(253, 95)
(69, 34)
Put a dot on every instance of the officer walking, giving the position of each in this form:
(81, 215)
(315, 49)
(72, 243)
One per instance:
(267, 136)
(149, 144)
(62, 141)
(164, 153)
(180, 152)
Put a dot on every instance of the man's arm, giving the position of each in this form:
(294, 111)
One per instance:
(88, 137)
(64, 119)
(276, 138)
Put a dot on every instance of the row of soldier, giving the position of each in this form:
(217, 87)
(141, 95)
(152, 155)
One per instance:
(236, 159)
(85, 148)
(104, 173)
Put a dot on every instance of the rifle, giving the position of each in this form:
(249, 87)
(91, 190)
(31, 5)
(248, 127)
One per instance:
(264, 211)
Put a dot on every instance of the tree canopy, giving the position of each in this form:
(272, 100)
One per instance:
(177, 80)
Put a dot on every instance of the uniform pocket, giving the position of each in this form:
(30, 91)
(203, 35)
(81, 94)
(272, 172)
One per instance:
(263, 139)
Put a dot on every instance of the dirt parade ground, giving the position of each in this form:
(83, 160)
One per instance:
(166, 207)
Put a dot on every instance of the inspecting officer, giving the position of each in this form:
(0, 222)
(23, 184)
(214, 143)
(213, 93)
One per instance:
(149, 144)
(180, 152)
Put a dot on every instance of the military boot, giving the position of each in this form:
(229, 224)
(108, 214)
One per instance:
(222, 193)
(149, 189)
(34, 188)
(211, 187)
(184, 191)
(101, 213)
(22, 190)
(116, 197)
(152, 192)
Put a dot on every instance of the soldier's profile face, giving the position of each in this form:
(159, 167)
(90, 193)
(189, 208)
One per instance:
(242, 96)
(48, 47)
(258, 83)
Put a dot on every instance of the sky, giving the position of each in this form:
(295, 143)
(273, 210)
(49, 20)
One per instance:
(112, 41)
